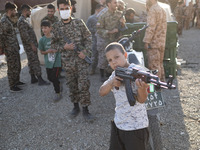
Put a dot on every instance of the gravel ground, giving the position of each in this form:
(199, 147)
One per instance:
(30, 120)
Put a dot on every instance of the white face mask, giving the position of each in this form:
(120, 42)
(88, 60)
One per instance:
(65, 14)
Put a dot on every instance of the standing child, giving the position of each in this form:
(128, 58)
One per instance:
(52, 58)
(129, 129)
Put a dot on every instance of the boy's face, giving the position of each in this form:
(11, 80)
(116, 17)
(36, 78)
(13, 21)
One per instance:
(116, 59)
(46, 30)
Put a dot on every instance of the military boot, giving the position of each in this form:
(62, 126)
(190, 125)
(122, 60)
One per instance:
(41, 81)
(33, 79)
(87, 116)
(75, 111)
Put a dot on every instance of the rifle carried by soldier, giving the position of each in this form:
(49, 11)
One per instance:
(128, 75)
(78, 48)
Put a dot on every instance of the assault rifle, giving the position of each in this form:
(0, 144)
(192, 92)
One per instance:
(78, 49)
(133, 35)
(132, 74)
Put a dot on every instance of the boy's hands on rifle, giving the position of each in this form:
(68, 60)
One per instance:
(70, 46)
(142, 90)
(81, 54)
(116, 82)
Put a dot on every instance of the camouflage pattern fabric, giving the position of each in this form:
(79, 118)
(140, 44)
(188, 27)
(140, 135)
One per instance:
(28, 37)
(179, 13)
(76, 68)
(91, 24)
(52, 20)
(155, 35)
(155, 61)
(101, 44)
(198, 17)
(189, 13)
(106, 22)
(10, 45)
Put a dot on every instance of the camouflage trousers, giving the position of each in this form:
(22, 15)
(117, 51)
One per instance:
(101, 44)
(155, 61)
(180, 27)
(14, 67)
(198, 21)
(94, 53)
(187, 23)
(77, 80)
(33, 61)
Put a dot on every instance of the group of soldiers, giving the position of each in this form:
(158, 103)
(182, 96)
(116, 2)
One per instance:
(105, 27)
(187, 16)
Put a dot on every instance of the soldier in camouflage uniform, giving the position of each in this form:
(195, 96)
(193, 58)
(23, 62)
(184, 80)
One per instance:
(189, 12)
(30, 46)
(50, 16)
(155, 37)
(91, 24)
(107, 29)
(179, 14)
(198, 14)
(67, 35)
(9, 44)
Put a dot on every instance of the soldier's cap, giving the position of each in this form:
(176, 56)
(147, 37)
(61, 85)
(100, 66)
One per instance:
(73, 2)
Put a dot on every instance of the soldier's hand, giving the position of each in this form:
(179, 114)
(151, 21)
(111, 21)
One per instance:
(113, 31)
(81, 54)
(70, 46)
(34, 48)
(123, 21)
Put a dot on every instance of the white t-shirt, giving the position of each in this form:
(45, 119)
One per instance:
(128, 117)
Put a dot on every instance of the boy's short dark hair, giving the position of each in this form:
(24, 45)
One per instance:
(50, 6)
(45, 23)
(66, 2)
(115, 45)
(25, 7)
(10, 6)
(130, 11)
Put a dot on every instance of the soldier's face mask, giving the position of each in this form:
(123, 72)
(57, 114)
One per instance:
(65, 14)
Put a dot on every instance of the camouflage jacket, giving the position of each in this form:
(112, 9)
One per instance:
(75, 31)
(155, 34)
(26, 32)
(179, 13)
(8, 36)
(107, 22)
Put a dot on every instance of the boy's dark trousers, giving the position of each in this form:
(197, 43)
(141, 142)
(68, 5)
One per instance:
(53, 76)
(128, 140)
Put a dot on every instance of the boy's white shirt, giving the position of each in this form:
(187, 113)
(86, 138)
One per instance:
(128, 117)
